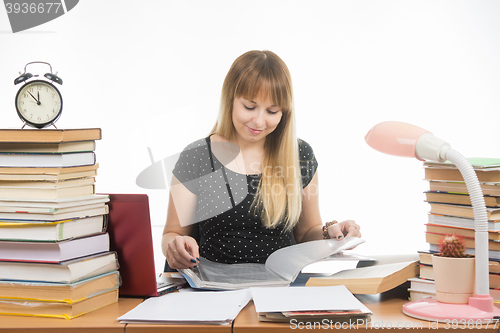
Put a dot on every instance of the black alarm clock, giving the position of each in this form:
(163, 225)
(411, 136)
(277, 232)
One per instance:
(38, 102)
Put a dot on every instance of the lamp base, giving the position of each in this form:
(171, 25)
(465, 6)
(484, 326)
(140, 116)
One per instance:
(482, 309)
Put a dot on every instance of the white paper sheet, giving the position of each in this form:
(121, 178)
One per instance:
(279, 299)
(202, 307)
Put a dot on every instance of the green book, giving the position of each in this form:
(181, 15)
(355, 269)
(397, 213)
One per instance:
(478, 163)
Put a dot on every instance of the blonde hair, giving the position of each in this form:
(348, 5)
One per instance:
(278, 195)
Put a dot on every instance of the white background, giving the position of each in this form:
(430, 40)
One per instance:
(149, 73)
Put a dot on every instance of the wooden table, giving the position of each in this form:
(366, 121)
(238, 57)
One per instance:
(147, 328)
(386, 308)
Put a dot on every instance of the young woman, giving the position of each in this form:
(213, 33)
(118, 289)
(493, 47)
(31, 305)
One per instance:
(250, 187)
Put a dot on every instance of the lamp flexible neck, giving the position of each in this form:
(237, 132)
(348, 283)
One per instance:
(480, 219)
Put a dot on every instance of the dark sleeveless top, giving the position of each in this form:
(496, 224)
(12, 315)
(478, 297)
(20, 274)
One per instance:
(230, 232)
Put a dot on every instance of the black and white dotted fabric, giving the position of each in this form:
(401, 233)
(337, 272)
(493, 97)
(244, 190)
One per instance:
(232, 234)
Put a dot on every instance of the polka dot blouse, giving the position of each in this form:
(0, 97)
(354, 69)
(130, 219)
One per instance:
(231, 232)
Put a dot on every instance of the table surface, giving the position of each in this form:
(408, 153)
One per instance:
(386, 308)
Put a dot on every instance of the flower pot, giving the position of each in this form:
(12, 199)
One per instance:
(454, 278)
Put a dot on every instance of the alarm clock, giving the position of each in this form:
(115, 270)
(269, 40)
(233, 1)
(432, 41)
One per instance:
(38, 102)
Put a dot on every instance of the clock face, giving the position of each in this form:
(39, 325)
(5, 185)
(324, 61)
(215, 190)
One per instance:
(38, 103)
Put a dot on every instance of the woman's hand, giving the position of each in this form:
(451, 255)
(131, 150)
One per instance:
(182, 252)
(343, 229)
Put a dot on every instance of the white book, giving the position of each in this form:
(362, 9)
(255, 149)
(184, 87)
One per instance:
(80, 212)
(423, 285)
(47, 184)
(15, 193)
(21, 160)
(13, 213)
(50, 205)
(54, 251)
(460, 222)
(51, 231)
(13, 176)
(63, 272)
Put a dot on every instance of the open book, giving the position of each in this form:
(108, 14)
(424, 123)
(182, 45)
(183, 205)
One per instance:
(281, 267)
(385, 273)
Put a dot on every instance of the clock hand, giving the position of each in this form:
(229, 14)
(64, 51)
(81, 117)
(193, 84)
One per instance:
(32, 96)
(37, 101)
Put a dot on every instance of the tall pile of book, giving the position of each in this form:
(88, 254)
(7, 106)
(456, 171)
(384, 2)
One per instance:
(451, 213)
(54, 249)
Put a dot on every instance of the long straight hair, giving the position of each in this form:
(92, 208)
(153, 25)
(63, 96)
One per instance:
(278, 197)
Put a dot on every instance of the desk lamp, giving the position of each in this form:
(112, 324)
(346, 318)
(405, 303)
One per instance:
(402, 139)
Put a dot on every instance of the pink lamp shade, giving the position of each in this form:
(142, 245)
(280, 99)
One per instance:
(395, 138)
(402, 139)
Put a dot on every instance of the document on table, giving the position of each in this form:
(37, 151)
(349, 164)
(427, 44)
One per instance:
(282, 299)
(190, 307)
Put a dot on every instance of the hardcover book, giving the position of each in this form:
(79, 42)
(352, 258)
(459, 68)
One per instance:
(58, 309)
(54, 251)
(49, 135)
(62, 272)
(52, 230)
(59, 292)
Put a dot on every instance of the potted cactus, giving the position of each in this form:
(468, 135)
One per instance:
(454, 271)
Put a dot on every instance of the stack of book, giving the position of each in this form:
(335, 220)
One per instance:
(54, 249)
(451, 213)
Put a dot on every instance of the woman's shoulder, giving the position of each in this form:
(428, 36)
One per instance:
(308, 162)
(194, 153)
(305, 150)
(193, 160)
(196, 144)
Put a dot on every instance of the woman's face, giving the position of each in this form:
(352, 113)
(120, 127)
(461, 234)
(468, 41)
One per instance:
(255, 119)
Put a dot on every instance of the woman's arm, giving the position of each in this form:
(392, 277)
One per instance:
(310, 226)
(180, 249)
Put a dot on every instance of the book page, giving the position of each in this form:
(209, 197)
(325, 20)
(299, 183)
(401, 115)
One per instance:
(288, 261)
(234, 273)
(337, 262)
(370, 272)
